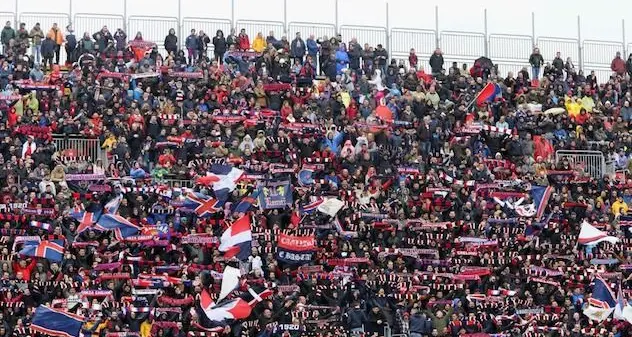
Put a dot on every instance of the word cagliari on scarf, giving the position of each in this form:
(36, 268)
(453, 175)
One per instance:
(530, 311)
(85, 177)
(198, 239)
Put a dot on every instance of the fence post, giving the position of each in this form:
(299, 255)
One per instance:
(625, 46)
(17, 15)
(232, 13)
(69, 12)
(388, 33)
(579, 42)
(486, 36)
(336, 15)
(533, 28)
(285, 17)
(179, 31)
(437, 27)
(124, 17)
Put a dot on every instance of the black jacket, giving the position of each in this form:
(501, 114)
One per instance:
(355, 318)
(171, 43)
(536, 60)
(48, 48)
(436, 63)
(219, 43)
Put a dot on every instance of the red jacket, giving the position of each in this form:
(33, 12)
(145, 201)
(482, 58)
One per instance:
(618, 66)
(244, 42)
(26, 271)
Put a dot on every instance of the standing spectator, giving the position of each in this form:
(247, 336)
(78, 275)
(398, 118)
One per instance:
(48, 52)
(271, 40)
(412, 59)
(71, 45)
(192, 43)
(58, 38)
(23, 36)
(171, 42)
(628, 65)
(342, 59)
(558, 64)
(86, 45)
(569, 67)
(244, 41)
(298, 48)
(231, 39)
(536, 61)
(121, 39)
(356, 318)
(219, 46)
(203, 41)
(436, 62)
(355, 54)
(7, 35)
(381, 57)
(259, 44)
(618, 65)
(325, 50)
(37, 35)
(312, 47)
(99, 41)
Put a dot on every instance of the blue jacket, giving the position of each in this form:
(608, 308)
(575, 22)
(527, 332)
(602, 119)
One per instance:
(342, 61)
(334, 143)
(312, 47)
(192, 42)
(419, 324)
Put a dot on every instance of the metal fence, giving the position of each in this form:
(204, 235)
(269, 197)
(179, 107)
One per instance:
(508, 50)
(592, 162)
(81, 147)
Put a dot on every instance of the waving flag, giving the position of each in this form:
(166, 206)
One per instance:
(223, 178)
(86, 220)
(122, 227)
(42, 225)
(312, 206)
(230, 281)
(203, 205)
(602, 303)
(540, 196)
(52, 250)
(589, 235)
(489, 92)
(246, 203)
(237, 239)
(112, 206)
(233, 309)
(53, 322)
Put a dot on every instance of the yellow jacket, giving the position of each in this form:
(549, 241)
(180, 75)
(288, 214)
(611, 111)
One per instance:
(588, 103)
(145, 329)
(109, 143)
(97, 330)
(573, 107)
(57, 36)
(259, 44)
(619, 207)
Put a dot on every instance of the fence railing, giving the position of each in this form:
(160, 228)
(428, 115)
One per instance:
(592, 162)
(510, 50)
(69, 146)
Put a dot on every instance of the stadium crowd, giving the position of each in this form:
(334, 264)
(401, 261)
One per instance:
(434, 209)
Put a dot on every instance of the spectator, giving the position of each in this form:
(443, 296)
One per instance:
(558, 64)
(203, 41)
(48, 52)
(298, 48)
(312, 47)
(244, 41)
(37, 35)
(171, 42)
(381, 57)
(536, 61)
(219, 46)
(618, 65)
(192, 43)
(412, 59)
(436, 61)
(23, 36)
(120, 39)
(71, 45)
(8, 34)
(57, 37)
(342, 59)
(259, 44)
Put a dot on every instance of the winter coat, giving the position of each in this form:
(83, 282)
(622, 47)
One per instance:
(171, 43)
(7, 34)
(37, 35)
(436, 62)
(219, 44)
(48, 48)
(191, 42)
(312, 47)
(342, 61)
(56, 35)
(297, 48)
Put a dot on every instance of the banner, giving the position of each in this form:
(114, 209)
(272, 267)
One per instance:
(274, 194)
(295, 249)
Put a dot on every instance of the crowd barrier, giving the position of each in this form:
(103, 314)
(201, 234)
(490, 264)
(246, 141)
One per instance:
(592, 162)
(510, 51)
(80, 147)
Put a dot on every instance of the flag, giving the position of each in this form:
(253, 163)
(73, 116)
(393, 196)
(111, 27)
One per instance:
(602, 303)
(623, 311)
(52, 250)
(53, 322)
(330, 206)
(237, 239)
(230, 281)
(203, 205)
(246, 203)
(540, 196)
(305, 177)
(295, 249)
(42, 225)
(112, 206)
(223, 178)
(312, 206)
(489, 92)
(206, 302)
(86, 220)
(589, 235)
(233, 309)
(122, 227)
